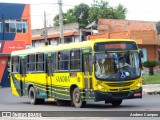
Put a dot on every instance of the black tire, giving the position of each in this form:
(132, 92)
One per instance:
(76, 99)
(116, 102)
(32, 97)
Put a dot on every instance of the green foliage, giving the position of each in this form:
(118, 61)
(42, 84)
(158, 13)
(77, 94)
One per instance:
(103, 10)
(56, 20)
(154, 79)
(69, 17)
(83, 14)
(150, 64)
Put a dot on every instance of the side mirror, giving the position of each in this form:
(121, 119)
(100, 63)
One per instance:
(141, 53)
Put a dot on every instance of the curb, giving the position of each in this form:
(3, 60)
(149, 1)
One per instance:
(152, 89)
(151, 93)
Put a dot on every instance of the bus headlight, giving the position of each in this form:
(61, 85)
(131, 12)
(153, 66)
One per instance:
(101, 88)
(137, 86)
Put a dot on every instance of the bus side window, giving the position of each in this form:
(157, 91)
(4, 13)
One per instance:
(15, 64)
(58, 61)
(40, 62)
(63, 60)
(31, 62)
(75, 59)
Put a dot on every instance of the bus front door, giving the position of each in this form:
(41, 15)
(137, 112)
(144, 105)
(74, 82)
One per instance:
(87, 61)
(50, 68)
(23, 70)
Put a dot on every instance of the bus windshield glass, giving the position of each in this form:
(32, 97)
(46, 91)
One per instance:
(117, 65)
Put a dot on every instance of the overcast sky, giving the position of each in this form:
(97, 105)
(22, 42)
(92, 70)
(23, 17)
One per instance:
(147, 10)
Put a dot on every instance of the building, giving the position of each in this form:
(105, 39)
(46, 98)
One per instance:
(72, 33)
(15, 34)
(53, 35)
(143, 32)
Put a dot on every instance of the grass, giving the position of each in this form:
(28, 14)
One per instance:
(152, 79)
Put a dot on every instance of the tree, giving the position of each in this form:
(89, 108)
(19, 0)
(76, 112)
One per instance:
(79, 14)
(83, 14)
(103, 10)
(150, 65)
(69, 17)
(120, 11)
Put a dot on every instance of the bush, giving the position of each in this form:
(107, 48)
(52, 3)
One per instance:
(150, 64)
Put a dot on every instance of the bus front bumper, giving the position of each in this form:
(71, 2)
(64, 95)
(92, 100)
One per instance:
(107, 96)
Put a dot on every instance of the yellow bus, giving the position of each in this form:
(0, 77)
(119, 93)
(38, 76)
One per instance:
(106, 70)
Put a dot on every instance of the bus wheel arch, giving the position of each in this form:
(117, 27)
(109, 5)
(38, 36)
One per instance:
(72, 89)
(29, 86)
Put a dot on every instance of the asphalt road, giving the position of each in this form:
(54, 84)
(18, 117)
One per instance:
(148, 104)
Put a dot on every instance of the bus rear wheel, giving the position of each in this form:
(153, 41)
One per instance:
(32, 97)
(116, 102)
(76, 99)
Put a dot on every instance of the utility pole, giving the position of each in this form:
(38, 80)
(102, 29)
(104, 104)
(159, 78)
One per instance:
(61, 22)
(45, 29)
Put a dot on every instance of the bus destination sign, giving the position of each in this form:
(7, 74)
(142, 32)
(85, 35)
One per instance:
(114, 46)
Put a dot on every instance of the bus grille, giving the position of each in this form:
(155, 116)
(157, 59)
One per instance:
(120, 84)
(119, 95)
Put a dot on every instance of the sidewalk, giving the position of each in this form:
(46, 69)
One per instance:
(151, 89)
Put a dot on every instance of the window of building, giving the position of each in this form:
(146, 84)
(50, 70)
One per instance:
(12, 26)
(6, 25)
(24, 27)
(16, 26)
(15, 64)
(0, 25)
(68, 39)
(40, 62)
(75, 58)
(31, 63)
(19, 26)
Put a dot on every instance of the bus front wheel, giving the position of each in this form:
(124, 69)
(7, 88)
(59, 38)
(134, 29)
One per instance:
(116, 102)
(76, 99)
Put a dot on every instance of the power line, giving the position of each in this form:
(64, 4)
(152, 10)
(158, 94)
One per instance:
(42, 3)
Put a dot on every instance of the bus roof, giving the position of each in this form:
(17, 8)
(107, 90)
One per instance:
(83, 44)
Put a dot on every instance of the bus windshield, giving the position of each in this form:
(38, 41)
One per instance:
(117, 65)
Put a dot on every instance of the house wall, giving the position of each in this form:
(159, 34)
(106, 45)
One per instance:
(54, 41)
(114, 25)
(16, 39)
(152, 51)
